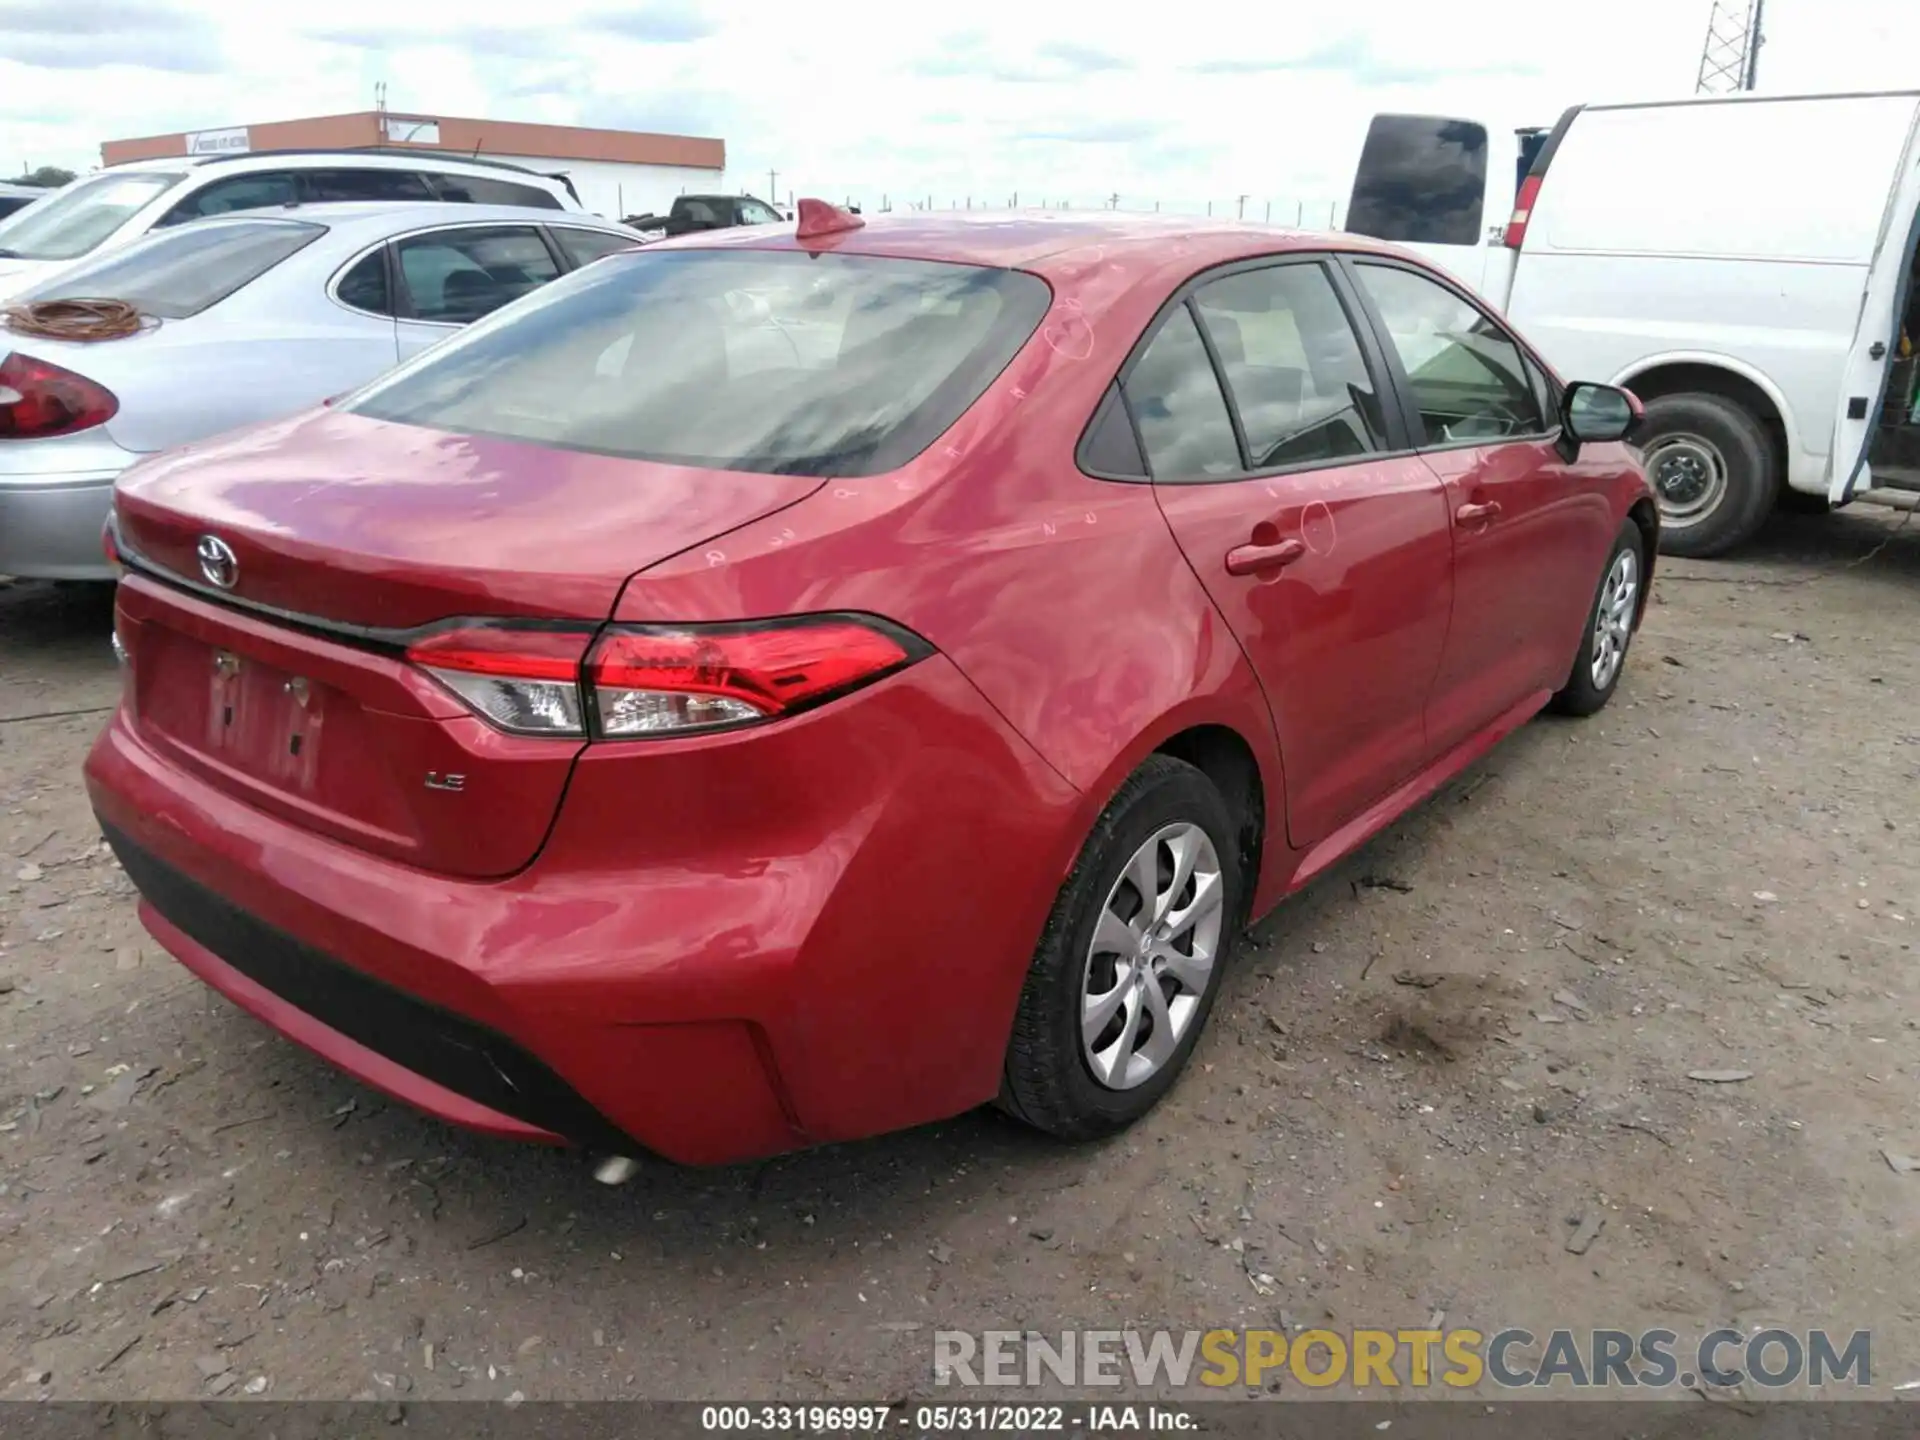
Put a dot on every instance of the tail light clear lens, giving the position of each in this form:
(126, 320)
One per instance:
(656, 680)
(524, 680)
(39, 400)
(644, 681)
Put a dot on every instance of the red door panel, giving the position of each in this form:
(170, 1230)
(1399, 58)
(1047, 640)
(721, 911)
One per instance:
(1342, 607)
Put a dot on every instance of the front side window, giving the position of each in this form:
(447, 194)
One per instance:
(1469, 380)
(1293, 366)
(778, 363)
(1177, 405)
(172, 274)
(454, 277)
(266, 190)
(752, 212)
(76, 219)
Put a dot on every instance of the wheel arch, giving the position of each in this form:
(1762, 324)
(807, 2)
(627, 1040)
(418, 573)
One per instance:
(1646, 516)
(1702, 372)
(1223, 755)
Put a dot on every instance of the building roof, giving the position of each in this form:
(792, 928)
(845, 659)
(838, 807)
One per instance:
(446, 133)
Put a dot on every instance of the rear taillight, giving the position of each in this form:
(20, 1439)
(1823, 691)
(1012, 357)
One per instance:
(658, 680)
(524, 680)
(1523, 211)
(643, 681)
(39, 400)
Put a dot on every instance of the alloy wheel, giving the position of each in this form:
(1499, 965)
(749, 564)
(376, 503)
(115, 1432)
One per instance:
(1613, 617)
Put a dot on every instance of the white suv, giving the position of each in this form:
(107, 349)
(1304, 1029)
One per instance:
(115, 206)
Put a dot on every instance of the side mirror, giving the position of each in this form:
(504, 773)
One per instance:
(1597, 414)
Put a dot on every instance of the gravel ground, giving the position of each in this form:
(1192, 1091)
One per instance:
(1474, 1034)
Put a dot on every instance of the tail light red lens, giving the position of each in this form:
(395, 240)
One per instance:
(644, 681)
(656, 680)
(39, 400)
(524, 680)
(1523, 212)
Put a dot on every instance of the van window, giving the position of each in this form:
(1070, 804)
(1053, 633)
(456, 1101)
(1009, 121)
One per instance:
(829, 365)
(1422, 181)
(1470, 382)
(176, 273)
(1176, 402)
(319, 185)
(80, 216)
(268, 189)
(484, 190)
(1294, 368)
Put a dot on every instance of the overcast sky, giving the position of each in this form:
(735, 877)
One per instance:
(1070, 99)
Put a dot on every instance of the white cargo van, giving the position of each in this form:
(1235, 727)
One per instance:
(1746, 265)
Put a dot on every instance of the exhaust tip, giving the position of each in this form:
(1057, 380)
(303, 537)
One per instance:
(615, 1169)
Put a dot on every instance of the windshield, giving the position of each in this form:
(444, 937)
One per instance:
(78, 217)
(783, 363)
(177, 273)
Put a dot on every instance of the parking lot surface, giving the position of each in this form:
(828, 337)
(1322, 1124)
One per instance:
(1475, 1041)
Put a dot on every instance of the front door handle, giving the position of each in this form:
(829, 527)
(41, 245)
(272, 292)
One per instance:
(1258, 559)
(1471, 514)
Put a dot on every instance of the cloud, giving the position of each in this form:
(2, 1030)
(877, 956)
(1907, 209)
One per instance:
(1096, 132)
(1354, 56)
(664, 22)
(92, 34)
(970, 55)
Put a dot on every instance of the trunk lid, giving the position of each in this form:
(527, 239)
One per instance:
(361, 522)
(361, 526)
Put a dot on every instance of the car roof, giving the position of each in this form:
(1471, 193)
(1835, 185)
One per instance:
(370, 219)
(1042, 241)
(376, 159)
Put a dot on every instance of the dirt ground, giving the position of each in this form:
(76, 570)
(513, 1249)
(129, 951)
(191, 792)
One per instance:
(1474, 1033)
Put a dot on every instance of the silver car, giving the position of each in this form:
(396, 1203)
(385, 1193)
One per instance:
(250, 316)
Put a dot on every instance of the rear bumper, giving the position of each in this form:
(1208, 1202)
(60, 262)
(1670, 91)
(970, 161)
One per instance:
(50, 525)
(793, 974)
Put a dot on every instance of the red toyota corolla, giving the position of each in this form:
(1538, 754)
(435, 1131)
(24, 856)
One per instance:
(790, 685)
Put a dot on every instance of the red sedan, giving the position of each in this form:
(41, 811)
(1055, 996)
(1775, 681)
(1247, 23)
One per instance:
(788, 685)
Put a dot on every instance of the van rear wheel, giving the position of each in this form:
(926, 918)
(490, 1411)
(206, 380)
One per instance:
(1713, 469)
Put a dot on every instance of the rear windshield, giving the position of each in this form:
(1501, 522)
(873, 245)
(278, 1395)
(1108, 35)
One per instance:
(81, 215)
(176, 273)
(782, 363)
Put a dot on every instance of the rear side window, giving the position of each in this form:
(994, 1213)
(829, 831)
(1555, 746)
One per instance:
(1293, 366)
(364, 185)
(177, 273)
(485, 190)
(1177, 405)
(365, 286)
(266, 190)
(456, 276)
(1469, 380)
(11, 203)
(1422, 180)
(781, 363)
(583, 247)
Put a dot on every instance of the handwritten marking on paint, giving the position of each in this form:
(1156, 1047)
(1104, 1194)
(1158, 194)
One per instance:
(716, 557)
(1069, 334)
(1317, 528)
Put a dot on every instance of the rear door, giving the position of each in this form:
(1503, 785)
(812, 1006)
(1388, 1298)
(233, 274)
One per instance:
(448, 278)
(1528, 535)
(1423, 182)
(1286, 479)
(1888, 293)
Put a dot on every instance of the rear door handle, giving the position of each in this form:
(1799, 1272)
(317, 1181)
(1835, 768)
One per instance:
(1471, 514)
(1258, 559)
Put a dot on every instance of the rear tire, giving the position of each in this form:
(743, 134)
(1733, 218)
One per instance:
(1611, 621)
(1714, 472)
(1078, 1077)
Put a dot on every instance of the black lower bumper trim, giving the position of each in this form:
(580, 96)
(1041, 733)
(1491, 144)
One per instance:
(439, 1045)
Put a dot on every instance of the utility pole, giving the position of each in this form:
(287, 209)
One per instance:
(1730, 59)
(773, 189)
(1243, 208)
(1113, 201)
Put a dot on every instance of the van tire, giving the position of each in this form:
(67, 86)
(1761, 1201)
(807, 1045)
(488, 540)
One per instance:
(1693, 443)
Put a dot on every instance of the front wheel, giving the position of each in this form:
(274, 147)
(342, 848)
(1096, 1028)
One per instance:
(1131, 959)
(1610, 626)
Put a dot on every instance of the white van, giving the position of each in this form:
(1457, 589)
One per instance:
(1746, 265)
(119, 205)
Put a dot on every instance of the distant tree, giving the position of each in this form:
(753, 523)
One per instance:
(49, 176)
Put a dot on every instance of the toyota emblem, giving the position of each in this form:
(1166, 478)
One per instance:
(217, 561)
